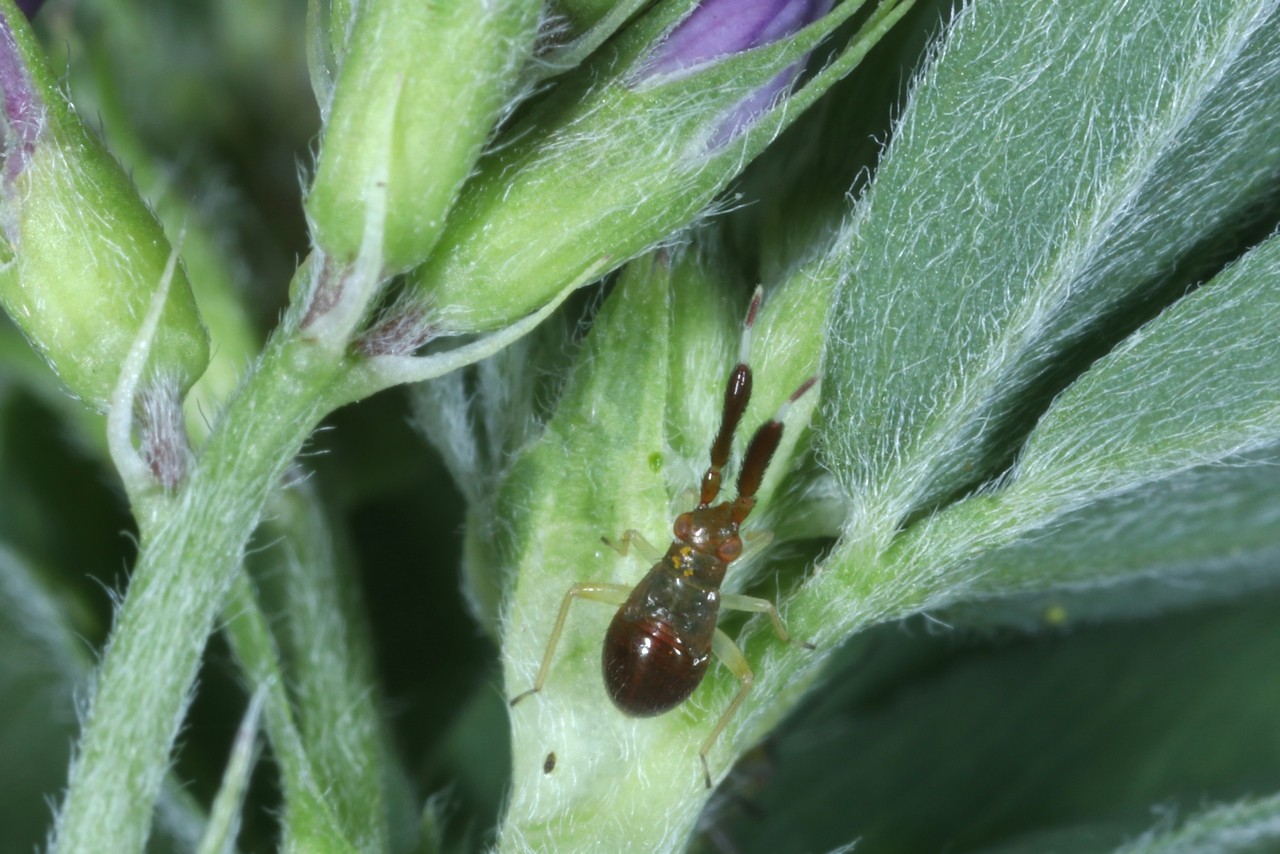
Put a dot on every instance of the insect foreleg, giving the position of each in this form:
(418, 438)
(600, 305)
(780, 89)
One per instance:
(757, 541)
(632, 537)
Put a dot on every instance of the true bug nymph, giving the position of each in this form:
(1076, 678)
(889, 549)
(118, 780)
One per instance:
(659, 644)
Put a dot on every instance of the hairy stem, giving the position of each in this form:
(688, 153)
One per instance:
(185, 566)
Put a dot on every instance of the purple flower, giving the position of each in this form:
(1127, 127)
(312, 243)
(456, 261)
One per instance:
(719, 28)
(23, 110)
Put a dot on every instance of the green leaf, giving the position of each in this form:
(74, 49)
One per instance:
(1063, 743)
(1027, 197)
(1207, 534)
(1148, 430)
(1249, 825)
(1052, 168)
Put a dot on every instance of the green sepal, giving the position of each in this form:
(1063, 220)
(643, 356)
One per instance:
(418, 91)
(82, 252)
(584, 13)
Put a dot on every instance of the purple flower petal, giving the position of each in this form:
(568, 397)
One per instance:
(746, 112)
(22, 106)
(718, 28)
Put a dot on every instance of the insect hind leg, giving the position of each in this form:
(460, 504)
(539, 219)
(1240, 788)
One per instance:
(610, 594)
(731, 656)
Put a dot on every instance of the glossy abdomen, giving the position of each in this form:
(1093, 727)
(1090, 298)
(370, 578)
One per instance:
(648, 667)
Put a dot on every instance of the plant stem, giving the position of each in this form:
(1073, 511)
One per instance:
(185, 566)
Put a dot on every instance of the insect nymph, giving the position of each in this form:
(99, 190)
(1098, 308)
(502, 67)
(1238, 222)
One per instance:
(660, 642)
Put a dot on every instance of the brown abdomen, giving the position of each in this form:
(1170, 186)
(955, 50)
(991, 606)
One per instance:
(648, 669)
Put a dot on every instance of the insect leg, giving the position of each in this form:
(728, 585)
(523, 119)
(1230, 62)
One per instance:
(612, 594)
(632, 537)
(727, 651)
(738, 602)
(757, 541)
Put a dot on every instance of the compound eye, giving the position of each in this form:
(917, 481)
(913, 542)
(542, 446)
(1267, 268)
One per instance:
(683, 527)
(730, 550)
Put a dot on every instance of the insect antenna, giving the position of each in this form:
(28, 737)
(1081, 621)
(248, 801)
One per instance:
(737, 394)
(755, 462)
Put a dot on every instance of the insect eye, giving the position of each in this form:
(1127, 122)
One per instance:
(683, 526)
(729, 550)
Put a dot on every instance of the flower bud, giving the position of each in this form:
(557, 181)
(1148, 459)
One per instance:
(80, 253)
(635, 144)
(328, 26)
(721, 27)
(418, 90)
